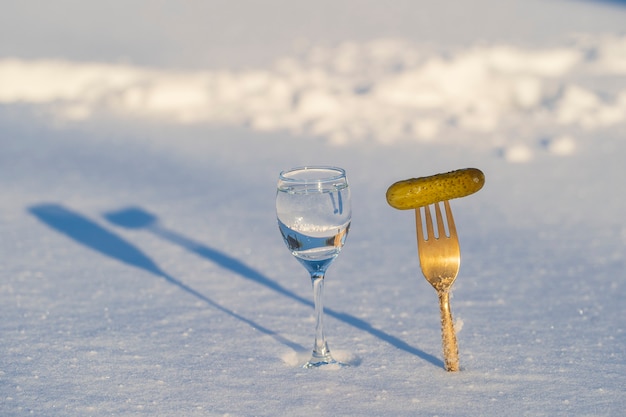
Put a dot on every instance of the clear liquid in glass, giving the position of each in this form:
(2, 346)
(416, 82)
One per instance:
(314, 223)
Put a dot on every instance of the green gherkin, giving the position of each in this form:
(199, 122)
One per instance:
(419, 192)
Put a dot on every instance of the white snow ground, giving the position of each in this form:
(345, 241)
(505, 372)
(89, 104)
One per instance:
(142, 271)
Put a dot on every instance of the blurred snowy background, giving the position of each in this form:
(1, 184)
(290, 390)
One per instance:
(141, 269)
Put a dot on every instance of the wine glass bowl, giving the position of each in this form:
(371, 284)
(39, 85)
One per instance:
(313, 208)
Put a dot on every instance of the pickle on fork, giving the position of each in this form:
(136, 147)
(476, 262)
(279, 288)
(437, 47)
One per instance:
(420, 192)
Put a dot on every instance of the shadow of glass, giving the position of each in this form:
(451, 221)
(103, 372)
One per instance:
(137, 218)
(95, 237)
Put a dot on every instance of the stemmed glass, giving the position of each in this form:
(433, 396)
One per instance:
(314, 210)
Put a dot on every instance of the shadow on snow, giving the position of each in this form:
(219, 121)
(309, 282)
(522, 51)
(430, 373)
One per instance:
(97, 238)
(137, 218)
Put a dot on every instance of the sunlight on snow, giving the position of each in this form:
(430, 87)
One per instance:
(385, 90)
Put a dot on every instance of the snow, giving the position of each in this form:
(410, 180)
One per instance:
(385, 90)
(142, 269)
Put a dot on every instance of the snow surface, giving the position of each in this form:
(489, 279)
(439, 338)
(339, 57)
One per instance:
(142, 269)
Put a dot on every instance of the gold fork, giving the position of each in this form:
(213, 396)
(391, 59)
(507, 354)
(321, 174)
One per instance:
(440, 257)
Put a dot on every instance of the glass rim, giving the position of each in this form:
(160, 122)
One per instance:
(339, 173)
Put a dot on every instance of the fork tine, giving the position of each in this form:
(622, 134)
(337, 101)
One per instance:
(430, 234)
(450, 219)
(440, 230)
(418, 225)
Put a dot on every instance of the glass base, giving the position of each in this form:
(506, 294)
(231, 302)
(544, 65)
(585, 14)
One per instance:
(318, 362)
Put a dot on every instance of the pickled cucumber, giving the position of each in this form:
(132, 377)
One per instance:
(418, 192)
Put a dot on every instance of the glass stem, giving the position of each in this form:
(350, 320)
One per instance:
(321, 353)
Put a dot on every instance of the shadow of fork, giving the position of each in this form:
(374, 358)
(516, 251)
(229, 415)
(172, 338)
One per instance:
(137, 218)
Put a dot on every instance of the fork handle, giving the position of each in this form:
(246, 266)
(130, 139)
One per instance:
(448, 335)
